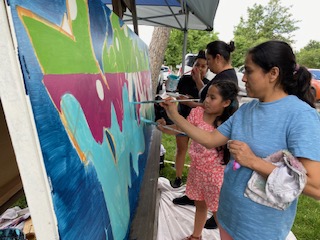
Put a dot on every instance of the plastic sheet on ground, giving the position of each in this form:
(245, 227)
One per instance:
(175, 222)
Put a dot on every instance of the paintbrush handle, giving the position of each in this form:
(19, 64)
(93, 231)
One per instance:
(164, 126)
(173, 129)
(162, 100)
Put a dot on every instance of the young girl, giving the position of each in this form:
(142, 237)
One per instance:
(207, 165)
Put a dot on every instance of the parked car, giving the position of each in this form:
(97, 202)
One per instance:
(165, 71)
(315, 73)
(241, 84)
(188, 61)
(315, 83)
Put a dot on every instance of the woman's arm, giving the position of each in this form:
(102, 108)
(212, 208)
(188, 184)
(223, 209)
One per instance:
(207, 139)
(312, 188)
(242, 153)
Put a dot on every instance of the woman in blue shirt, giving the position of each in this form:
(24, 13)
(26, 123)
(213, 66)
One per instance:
(282, 116)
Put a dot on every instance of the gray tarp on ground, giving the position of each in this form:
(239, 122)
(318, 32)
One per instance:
(176, 221)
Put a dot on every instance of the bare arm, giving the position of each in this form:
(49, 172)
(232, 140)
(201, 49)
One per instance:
(312, 188)
(207, 139)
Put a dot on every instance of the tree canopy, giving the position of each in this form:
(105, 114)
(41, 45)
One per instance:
(261, 23)
(197, 40)
(270, 22)
(309, 56)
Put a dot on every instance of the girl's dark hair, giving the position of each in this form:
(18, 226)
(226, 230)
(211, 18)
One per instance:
(222, 48)
(294, 79)
(228, 90)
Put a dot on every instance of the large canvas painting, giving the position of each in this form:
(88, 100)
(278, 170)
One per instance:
(83, 69)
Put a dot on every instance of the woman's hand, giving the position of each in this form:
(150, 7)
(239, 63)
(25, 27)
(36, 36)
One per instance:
(242, 153)
(196, 74)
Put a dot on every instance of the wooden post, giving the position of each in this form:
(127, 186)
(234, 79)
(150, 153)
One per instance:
(119, 8)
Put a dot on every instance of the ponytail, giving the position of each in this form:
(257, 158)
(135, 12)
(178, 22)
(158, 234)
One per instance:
(302, 77)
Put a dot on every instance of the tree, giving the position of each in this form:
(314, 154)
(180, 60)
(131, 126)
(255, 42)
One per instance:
(158, 44)
(271, 22)
(197, 40)
(309, 56)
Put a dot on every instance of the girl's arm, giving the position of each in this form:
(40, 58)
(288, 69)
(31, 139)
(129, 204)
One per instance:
(207, 139)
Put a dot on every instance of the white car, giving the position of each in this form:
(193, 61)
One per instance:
(242, 85)
(189, 61)
(165, 71)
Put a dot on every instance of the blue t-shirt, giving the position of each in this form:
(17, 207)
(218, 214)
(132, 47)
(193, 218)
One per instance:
(288, 123)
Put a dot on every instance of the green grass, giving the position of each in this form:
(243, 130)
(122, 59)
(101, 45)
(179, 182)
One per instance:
(21, 202)
(307, 221)
(169, 143)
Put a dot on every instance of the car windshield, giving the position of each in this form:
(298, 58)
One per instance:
(164, 69)
(315, 73)
(190, 60)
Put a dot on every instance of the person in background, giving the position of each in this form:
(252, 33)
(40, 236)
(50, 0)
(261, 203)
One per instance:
(205, 175)
(218, 55)
(282, 116)
(187, 86)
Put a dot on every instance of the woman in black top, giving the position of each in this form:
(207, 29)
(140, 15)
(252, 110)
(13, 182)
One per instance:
(219, 62)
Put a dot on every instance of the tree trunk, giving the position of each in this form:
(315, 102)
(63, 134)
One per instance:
(157, 49)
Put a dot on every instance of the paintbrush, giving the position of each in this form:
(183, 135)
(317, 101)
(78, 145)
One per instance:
(163, 100)
(164, 126)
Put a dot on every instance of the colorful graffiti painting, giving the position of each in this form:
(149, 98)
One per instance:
(82, 68)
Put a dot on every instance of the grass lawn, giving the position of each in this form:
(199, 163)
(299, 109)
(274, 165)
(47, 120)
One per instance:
(307, 222)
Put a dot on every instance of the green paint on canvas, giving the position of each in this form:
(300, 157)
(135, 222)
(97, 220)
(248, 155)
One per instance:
(124, 55)
(57, 52)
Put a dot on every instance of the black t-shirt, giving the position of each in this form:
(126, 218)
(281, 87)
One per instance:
(187, 86)
(229, 74)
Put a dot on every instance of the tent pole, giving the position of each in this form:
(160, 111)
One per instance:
(184, 49)
(185, 39)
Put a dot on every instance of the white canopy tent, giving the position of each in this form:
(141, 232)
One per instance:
(178, 14)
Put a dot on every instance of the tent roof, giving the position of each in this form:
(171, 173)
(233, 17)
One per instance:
(172, 13)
